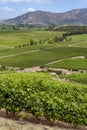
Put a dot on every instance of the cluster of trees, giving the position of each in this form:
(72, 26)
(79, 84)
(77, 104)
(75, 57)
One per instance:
(22, 45)
(4, 26)
(59, 39)
(72, 33)
(33, 42)
(43, 41)
(9, 27)
(71, 30)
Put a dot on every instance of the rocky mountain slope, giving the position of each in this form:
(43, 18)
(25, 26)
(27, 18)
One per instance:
(76, 16)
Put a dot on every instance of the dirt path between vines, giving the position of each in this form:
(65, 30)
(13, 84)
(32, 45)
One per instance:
(17, 54)
(75, 57)
(26, 52)
(7, 124)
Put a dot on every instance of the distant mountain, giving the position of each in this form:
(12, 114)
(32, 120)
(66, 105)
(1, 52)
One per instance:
(76, 16)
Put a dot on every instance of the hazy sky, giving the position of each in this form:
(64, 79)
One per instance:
(13, 8)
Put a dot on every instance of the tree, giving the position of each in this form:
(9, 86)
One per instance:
(31, 42)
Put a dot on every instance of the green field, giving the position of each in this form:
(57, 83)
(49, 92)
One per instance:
(74, 64)
(13, 53)
(79, 38)
(20, 37)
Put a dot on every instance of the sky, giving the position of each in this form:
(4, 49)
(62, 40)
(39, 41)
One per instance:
(13, 8)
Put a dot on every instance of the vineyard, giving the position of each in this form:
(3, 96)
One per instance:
(29, 48)
(73, 64)
(77, 77)
(40, 95)
(59, 92)
(41, 57)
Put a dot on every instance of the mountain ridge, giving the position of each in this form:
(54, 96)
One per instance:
(75, 16)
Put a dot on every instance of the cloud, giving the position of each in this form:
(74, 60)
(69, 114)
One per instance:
(7, 9)
(30, 1)
(30, 9)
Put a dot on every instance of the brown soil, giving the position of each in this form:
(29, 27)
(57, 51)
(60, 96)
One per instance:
(12, 122)
(7, 124)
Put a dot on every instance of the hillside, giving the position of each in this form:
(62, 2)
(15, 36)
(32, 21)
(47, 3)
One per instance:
(76, 16)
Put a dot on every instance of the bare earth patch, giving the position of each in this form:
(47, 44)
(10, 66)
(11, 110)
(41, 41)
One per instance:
(7, 124)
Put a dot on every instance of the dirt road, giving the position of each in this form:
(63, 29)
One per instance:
(7, 124)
